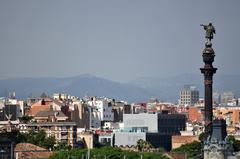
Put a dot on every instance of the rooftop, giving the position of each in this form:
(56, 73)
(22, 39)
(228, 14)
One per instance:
(53, 124)
(50, 113)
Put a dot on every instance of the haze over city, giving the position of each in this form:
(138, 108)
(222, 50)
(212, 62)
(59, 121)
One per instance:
(119, 79)
(117, 40)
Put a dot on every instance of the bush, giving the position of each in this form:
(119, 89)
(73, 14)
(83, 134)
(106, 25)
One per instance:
(37, 138)
(106, 152)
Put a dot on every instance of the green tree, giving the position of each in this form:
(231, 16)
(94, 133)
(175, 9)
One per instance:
(26, 119)
(142, 144)
(49, 142)
(31, 137)
(21, 137)
(62, 146)
(37, 138)
(202, 137)
(235, 143)
(106, 152)
(40, 137)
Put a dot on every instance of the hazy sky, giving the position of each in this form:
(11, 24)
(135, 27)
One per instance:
(115, 39)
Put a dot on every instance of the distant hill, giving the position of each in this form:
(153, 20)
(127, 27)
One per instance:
(139, 90)
(168, 88)
(79, 86)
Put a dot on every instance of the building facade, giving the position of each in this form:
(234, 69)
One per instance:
(55, 124)
(154, 128)
(142, 122)
(189, 95)
(104, 106)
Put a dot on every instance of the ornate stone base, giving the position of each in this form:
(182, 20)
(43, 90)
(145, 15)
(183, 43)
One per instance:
(216, 146)
(216, 151)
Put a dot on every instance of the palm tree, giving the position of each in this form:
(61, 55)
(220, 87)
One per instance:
(142, 145)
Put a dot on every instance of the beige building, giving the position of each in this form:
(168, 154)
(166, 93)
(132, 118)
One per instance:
(189, 95)
(55, 124)
(230, 114)
(81, 115)
(87, 137)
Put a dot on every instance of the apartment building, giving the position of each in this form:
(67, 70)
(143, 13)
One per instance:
(189, 95)
(55, 124)
(104, 106)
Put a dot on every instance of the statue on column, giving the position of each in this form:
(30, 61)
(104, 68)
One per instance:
(210, 30)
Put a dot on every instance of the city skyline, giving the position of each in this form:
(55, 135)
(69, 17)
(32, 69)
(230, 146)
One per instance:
(117, 40)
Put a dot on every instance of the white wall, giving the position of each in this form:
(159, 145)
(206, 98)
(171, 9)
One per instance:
(128, 138)
(106, 113)
(141, 120)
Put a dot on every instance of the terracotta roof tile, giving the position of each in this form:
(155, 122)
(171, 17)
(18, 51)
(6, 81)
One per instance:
(27, 150)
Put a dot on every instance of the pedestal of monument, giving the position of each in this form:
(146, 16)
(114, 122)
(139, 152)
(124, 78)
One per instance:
(216, 146)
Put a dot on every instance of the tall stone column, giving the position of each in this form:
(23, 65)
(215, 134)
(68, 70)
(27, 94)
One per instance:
(208, 71)
(215, 143)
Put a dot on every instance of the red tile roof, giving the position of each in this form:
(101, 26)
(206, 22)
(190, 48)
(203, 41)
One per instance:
(42, 105)
(27, 150)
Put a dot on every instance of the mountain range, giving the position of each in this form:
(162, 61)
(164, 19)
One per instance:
(139, 90)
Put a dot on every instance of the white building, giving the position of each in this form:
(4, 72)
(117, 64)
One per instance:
(128, 138)
(2, 102)
(134, 128)
(95, 117)
(142, 122)
(233, 102)
(13, 107)
(226, 96)
(86, 116)
(111, 125)
(104, 106)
